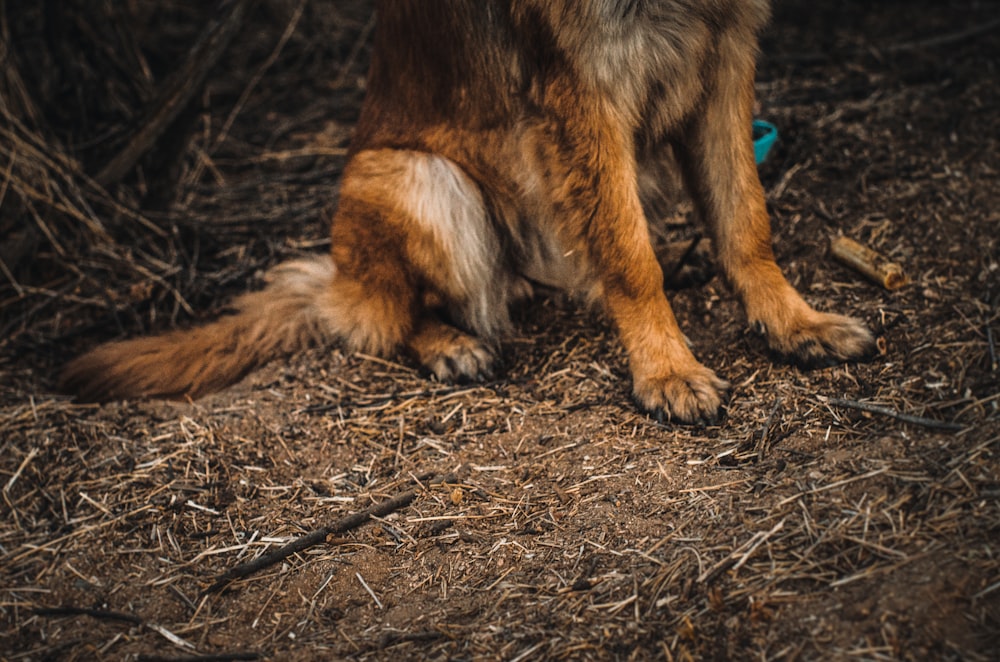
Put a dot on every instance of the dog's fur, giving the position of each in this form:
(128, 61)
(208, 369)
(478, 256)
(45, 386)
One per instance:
(503, 142)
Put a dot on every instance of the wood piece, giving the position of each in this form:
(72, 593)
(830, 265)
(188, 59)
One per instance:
(210, 657)
(868, 262)
(178, 90)
(899, 416)
(99, 614)
(320, 535)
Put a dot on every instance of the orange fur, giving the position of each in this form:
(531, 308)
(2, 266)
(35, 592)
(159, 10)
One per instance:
(504, 141)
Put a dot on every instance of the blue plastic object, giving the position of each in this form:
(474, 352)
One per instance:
(764, 135)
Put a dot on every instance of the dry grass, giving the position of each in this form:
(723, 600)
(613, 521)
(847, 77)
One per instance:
(567, 526)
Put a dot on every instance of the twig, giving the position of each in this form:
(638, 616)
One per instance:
(212, 657)
(833, 486)
(762, 442)
(682, 260)
(369, 589)
(106, 615)
(945, 39)
(180, 642)
(933, 42)
(259, 74)
(986, 591)
(892, 413)
(100, 614)
(319, 536)
(779, 189)
(761, 538)
(993, 348)
(20, 469)
(177, 91)
(359, 43)
(735, 562)
(393, 638)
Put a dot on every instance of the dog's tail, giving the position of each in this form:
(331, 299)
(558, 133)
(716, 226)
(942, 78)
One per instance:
(296, 309)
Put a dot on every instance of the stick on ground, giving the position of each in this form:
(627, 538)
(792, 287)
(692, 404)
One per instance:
(899, 416)
(99, 614)
(342, 525)
(871, 264)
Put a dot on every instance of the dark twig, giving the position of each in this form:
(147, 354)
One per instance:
(993, 349)
(342, 525)
(924, 44)
(945, 39)
(762, 442)
(100, 614)
(683, 259)
(178, 90)
(395, 638)
(259, 74)
(107, 615)
(219, 657)
(906, 418)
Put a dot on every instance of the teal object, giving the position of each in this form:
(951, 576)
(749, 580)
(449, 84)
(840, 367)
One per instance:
(764, 136)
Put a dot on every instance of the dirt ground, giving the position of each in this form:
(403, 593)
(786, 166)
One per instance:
(549, 519)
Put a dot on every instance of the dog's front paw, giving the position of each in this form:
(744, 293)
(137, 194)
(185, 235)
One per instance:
(692, 395)
(821, 340)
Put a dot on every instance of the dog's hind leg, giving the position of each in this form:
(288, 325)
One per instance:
(413, 229)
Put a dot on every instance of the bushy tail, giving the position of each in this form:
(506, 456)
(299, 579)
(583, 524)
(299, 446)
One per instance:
(294, 311)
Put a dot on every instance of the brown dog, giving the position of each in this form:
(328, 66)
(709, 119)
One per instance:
(503, 142)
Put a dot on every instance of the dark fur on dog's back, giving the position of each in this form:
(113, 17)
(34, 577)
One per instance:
(502, 142)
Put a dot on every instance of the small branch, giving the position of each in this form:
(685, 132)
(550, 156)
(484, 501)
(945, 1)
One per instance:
(391, 638)
(319, 536)
(99, 614)
(211, 657)
(738, 556)
(994, 364)
(925, 44)
(682, 260)
(177, 91)
(762, 442)
(906, 418)
(259, 74)
(20, 469)
(369, 589)
(945, 39)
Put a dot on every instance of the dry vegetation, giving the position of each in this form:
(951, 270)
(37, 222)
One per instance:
(538, 516)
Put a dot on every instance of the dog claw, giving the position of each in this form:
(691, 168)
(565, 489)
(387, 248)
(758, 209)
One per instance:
(825, 341)
(692, 398)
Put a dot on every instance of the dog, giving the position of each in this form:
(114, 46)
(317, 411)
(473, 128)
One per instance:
(504, 144)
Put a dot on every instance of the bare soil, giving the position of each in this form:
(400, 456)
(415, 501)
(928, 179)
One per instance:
(568, 526)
